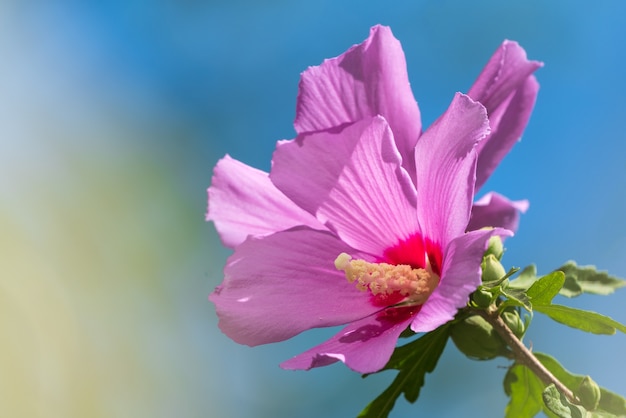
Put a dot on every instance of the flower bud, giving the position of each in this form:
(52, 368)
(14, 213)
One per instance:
(495, 248)
(477, 339)
(514, 322)
(589, 393)
(492, 268)
(482, 298)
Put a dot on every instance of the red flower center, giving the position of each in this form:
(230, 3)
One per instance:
(407, 273)
(417, 252)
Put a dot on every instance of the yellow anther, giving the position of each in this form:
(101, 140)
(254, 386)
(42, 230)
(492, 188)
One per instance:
(382, 278)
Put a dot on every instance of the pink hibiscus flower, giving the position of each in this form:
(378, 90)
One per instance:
(362, 219)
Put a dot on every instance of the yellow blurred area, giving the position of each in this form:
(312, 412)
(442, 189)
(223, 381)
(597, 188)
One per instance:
(106, 260)
(97, 245)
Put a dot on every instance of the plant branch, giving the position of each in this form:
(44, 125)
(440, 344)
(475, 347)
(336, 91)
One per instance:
(523, 355)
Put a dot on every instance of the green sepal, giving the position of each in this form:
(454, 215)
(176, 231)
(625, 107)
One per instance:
(413, 360)
(587, 279)
(584, 320)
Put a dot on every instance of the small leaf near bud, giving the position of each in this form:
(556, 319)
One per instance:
(492, 269)
(589, 393)
(514, 322)
(477, 339)
(495, 248)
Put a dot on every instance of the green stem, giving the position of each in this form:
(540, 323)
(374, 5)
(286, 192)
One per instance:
(523, 355)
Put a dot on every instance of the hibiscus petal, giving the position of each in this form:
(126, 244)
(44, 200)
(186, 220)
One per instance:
(495, 210)
(353, 182)
(460, 277)
(507, 88)
(505, 72)
(369, 79)
(243, 201)
(364, 346)
(280, 285)
(508, 131)
(445, 162)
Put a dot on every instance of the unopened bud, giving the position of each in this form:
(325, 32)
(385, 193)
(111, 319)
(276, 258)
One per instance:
(496, 248)
(492, 268)
(589, 393)
(477, 339)
(514, 322)
(482, 298)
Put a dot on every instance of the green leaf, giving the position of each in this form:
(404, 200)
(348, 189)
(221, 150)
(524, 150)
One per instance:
(407, 333)
(526, 278)
(414, 360)
(558, 404)
(584, 320)
(587, 279)
(543, 290)
(525, 390)
(610, 402)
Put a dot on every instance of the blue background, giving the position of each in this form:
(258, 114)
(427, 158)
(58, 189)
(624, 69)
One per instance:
(112, 117)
